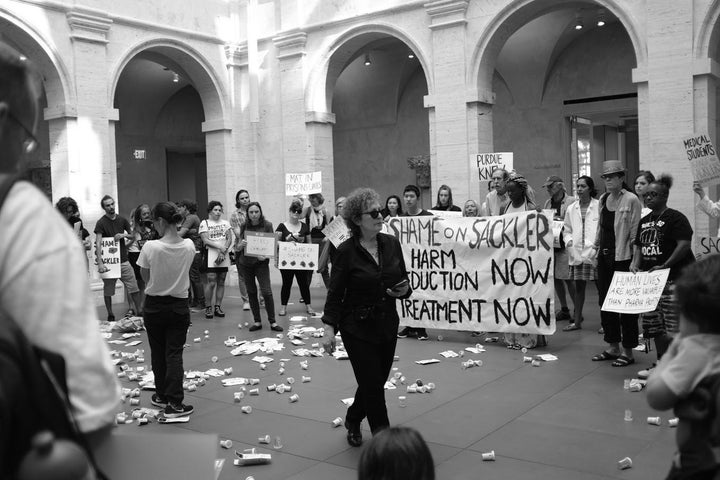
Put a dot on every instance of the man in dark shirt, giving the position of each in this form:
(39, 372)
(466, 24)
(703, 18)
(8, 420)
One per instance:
(113, 225)
(189, 229)
(411, 195)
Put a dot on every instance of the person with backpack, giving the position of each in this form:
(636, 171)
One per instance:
(45, 294)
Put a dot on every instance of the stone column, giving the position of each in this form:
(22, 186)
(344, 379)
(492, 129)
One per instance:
(319, 131)
(448, 117)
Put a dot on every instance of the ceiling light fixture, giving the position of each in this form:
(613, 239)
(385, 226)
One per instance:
(601, 18)
(367, 60)
(176, 78)
(578, 22)
(411, 54)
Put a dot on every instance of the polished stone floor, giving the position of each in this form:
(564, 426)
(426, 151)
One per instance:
(561, 420)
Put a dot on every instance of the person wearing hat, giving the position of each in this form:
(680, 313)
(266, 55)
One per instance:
(617, 227)
(558, 202)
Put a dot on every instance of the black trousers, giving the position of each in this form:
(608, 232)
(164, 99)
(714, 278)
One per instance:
(167, 320)
(302, 280)
(619, 327)
(371, 363)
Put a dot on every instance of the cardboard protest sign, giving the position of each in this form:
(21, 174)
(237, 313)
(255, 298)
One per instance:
(557, 228)
(213, 255)
(635, 292)
(703, 159)
(706, 246)
(446, 213)
(487, 274)
(337, 231)
(303, 183)
(485, 163)
(297, 256)
(110, 254)
(260, 244)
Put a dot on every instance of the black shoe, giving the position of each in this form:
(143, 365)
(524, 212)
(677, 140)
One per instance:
(208, 312)
(177, 411)
(219, 312)
(422, 334)
(404, 332)
(158, 401)
(255, 327)
(354, 435)
(275, 327)
(111, 318)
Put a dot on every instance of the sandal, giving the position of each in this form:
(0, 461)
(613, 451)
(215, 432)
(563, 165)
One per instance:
(605, 355)
(571, 327)
(623, 361)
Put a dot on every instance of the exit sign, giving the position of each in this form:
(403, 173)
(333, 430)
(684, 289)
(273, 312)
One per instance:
(139, 154)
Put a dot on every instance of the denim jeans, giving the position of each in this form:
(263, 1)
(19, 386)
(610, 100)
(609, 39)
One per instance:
(167, 320)
(261, 271)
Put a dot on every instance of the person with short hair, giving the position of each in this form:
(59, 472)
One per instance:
(396, 453)
(238, 219)
(216, 234)
(693, 356)
(112, 225)
(411, 193)
(164, 265)
(189, 228)
(496, 199)
(43, 285)
(559, 202)
(445, 200)
(617, 229)
(663, 241)
(368, 276)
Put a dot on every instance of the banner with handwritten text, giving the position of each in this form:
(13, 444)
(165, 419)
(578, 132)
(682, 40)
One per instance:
(303, 183)
(297, 256)
(635, 292)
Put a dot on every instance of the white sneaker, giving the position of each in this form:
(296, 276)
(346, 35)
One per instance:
(246, 306)
(645, 374)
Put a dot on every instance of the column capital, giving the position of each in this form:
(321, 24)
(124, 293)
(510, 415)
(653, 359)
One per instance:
(88, 25)
(446, 13)
(319, 117)
(706, 66)
(236, 55)
(290, 44)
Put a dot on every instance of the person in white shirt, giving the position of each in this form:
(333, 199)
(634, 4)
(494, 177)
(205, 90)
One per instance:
(165, 267)
(497, 198)
(707, 205)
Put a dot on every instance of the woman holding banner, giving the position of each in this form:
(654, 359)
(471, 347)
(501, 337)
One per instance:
(253, 266)
(369, 274)
(299, 232)
(617, 226)
(663, 241)
(581, 219)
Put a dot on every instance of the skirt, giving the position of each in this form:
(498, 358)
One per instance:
(664, 319)
(584, 271)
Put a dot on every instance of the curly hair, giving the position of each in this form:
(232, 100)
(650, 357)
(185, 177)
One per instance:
(356, 203)
(67, 203)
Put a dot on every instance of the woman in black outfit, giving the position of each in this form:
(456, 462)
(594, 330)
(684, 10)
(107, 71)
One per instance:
(368, 275)
(293, 230)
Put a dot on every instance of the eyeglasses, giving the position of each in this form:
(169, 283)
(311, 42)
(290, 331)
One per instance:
(373, 213)
(30, 143)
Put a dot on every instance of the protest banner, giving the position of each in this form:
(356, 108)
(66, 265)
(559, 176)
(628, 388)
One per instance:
(337, 231)
(260, 244)
(557, 228)
(635, 292)
(297, 256)
(485, 163)
(446, 213)
(303, 183)
(703, 159)
(706, 246)
(110, 254)
(486, 274)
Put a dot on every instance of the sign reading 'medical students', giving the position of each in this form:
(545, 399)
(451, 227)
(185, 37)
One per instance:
(703, 159)
(487, 274)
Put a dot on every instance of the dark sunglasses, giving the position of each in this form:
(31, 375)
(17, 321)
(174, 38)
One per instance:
(295, 210)
(373, 213)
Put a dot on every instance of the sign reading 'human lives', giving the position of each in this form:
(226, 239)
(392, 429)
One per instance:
(485, 163)
(297, 256)
(303, 183)
(487, 274)
(110, 254)
(635, 292)
(707, 246)
(703, 159)
(337, 231)
(259, 244)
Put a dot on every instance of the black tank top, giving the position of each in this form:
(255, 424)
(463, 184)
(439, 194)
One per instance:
(607, 226)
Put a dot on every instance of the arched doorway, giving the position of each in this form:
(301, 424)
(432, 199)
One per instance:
(39, 164)
(376, 85)
(159, 142)
(564, 96)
